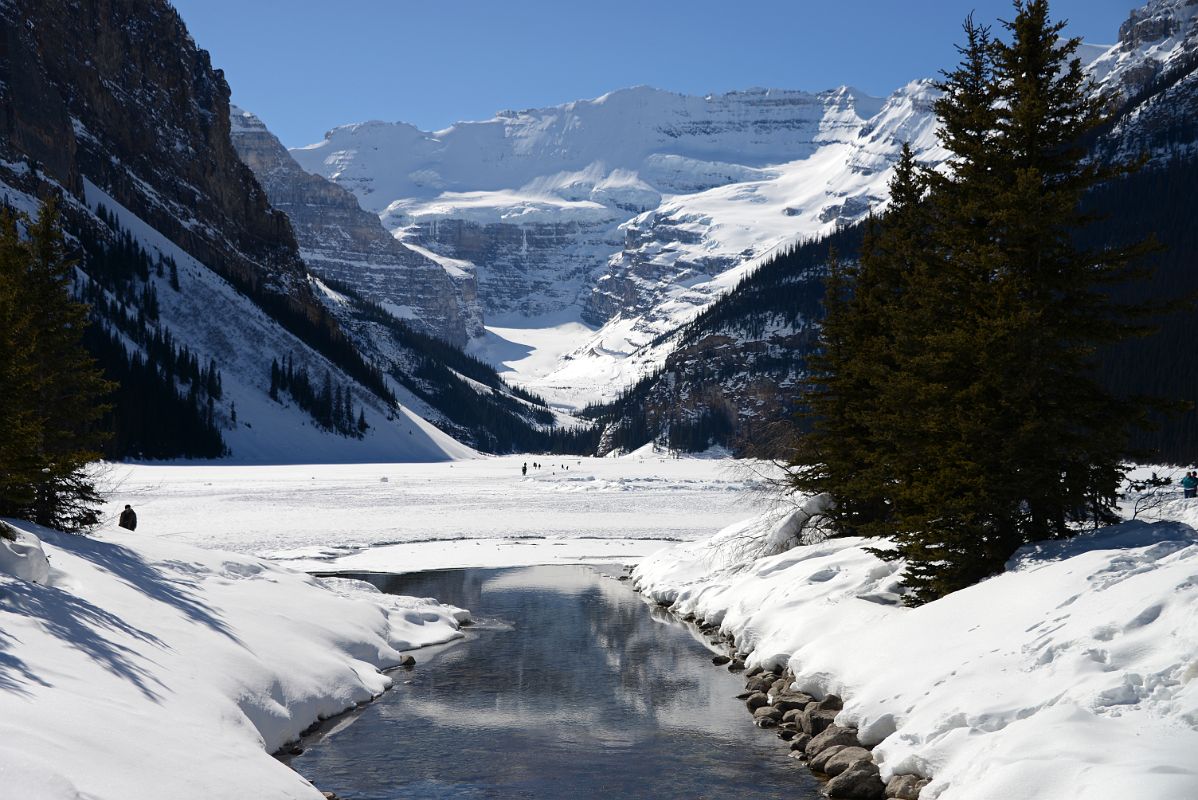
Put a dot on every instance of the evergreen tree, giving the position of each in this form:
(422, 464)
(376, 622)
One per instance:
(853, 391)
(957, 408)
(19, 467)
(60, 401)
(1072, 438)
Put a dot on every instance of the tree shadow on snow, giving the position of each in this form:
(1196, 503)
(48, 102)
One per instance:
(1157, 538)
(15, 673)
(82, 625)
(126, 565)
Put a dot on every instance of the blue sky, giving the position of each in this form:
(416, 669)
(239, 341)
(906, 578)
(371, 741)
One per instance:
(305, 66)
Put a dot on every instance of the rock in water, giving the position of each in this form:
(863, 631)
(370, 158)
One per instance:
(859, 782)
(820, 760)
(756, 701)
(833, 735)
(845, 759)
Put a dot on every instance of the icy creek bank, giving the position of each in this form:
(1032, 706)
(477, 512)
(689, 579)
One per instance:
(140, 668)
(1071, 675)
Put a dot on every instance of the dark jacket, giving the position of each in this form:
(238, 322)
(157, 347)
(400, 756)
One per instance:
(128, 519)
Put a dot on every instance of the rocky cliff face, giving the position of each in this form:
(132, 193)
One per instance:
(122, 97)
(1154, 70)
(524, 269)
(340, 241)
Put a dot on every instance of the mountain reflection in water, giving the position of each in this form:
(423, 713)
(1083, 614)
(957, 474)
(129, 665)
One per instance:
(569, 685)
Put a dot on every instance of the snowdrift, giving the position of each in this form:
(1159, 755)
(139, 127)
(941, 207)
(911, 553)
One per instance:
(134, 668)
(1071, 675)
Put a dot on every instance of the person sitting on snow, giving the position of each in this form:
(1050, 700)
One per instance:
(1189, 484)
(128, 518)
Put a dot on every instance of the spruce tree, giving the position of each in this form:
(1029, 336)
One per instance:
(946, 406)
(1072, 440)
(61, 398)
(70, 391)
(847, 452)
(958, 373)
(19, 467)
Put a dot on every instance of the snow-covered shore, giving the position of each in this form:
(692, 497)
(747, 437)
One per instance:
(169, 663)
(1072, 675)
(143, 668)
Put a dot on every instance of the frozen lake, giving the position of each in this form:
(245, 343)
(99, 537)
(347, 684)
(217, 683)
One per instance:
(569, 686)
(404, 517)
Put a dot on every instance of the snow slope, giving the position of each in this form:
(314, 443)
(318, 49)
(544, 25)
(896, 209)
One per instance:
(1071, 675)
(143, 668)
(630, 212)
(216, 321)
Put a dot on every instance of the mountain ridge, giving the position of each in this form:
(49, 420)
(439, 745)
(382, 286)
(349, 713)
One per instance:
(637, 239)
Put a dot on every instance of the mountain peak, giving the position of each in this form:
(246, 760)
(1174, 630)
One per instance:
(1152, 39)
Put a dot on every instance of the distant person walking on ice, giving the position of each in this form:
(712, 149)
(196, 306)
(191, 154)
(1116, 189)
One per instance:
(128, 518)
(524, 470)
(1189, 484)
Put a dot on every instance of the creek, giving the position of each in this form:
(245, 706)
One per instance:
(568, 685)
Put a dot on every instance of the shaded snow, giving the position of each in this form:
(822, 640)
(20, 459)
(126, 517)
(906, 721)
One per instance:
(216, 321)
(152, 669)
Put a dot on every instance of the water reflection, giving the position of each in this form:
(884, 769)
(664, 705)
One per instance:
(569, 686)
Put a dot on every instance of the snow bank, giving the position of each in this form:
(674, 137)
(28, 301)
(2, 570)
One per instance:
(139, 668)
(1071, 675)
(21, 556)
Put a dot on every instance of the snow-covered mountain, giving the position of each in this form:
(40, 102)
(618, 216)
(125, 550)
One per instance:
(1154, 68)
(189, 269)
(341, 242)
(596, 227)
(632, 211)
(1156, 38)
(731, 374)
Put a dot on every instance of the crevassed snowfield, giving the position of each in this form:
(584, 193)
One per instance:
(404, 517)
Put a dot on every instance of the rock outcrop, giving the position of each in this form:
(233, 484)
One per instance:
(121, 96)
(1153, 70)
(340, 241)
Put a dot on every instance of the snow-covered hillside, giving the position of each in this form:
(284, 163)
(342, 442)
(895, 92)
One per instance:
(187, 267)
(219, 323)
(596, 226)
(631, 212)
